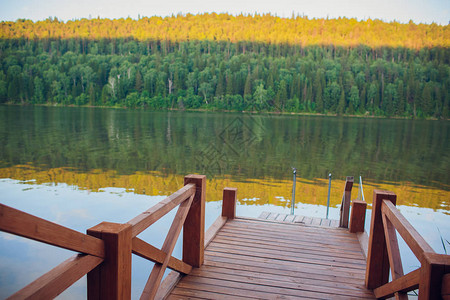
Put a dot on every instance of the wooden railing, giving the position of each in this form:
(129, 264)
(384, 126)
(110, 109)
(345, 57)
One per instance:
(345, 204)
(431, 279)
(105, 252)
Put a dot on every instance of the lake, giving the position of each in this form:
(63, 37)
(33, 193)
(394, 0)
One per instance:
(81, 166)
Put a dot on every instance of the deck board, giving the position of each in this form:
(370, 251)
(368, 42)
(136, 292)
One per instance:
(276, 257)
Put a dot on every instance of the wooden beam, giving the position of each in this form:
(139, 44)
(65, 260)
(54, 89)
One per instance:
(445, 290)
(112, 279)
(147, 251)
(345, 207)
(358, 216)
(156, 212)
(214, 229)
(434, 267)
(403, 284)
(377, 270)
(415, 241)
(395, 260)
(229, 203)
(54, 282)
(194, 226)
(20, 223)
(158, 270)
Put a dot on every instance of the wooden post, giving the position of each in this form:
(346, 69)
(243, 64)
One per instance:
(434, 267)
(377, 269)
(194, 226)
(229, 203)
(358, 216)
(345, 207)
(112, 278)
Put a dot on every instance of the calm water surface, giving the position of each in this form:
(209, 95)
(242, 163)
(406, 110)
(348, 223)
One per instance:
(81, 166)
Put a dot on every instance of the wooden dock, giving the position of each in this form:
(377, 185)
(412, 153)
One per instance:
(276, 256)
(257, 258)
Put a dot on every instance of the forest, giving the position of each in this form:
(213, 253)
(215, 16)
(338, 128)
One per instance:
(204, 62)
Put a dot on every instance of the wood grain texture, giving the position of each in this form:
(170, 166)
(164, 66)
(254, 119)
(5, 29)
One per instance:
(404, 284)
(377, 272)
(229, 202)
(20, 223)
(112, 278)
(358, 216)
(156, 212)
(415, 241)
(345, 205)
(147, 251)
(158, 270)
(214, 229)
(194, 226)
(268, 260)
(57, 280)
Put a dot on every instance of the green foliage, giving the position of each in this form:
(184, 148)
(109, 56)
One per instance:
(223, 76)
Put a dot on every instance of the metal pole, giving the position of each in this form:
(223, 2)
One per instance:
(293, 190)
(329, 187)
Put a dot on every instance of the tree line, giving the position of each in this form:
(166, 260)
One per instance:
(225, 75)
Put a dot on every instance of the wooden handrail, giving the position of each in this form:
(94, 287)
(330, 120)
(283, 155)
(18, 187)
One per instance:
(156, 212)
(107, 248)
(413, 239)
(384, 254)
(53, 283)
(147, 251)
(20, 223)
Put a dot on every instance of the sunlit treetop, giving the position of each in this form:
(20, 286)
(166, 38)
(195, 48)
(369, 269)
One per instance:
(224, 27)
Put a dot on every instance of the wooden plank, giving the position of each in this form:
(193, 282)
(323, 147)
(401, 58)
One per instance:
(377, 272)
(156, 212)
(293, 266)
(158, 270)
(289, 218)
(395, 260)
(20, 223)
(264, 215)
(326, 222)
(194, 226)
(291, 250)
(272, 216)
(404, 284)
(214, 229)
(229, 203)
(363, 239)
(287, 255)
(345, 205)
(252, 288)
(316, 221)
(112, 278)
(53, 283)
(358, 216)
(413, 239)
(298, 219)
(147, 251)
(167, 285)
(277, 281)
(307, 220)
(192, 294)
(281, 217)
(276, 275)
(289, 227)
(334, 223)
(301, 240)
(267, 231)
(275, 255)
